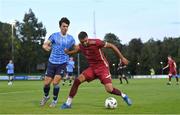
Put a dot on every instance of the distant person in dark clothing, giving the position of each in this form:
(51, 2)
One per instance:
(122, 72)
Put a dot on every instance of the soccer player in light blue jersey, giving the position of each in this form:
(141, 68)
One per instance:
(10, 71)
(69, 71)
(58, 59)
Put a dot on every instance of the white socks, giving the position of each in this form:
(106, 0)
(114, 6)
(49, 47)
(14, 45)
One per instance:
(123, 95)
(69, 101)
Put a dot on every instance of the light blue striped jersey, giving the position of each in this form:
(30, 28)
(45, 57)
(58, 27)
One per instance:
(10, 68)
(70, 66)
(58, 44)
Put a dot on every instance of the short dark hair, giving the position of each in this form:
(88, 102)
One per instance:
(65, 20)
(82, 35)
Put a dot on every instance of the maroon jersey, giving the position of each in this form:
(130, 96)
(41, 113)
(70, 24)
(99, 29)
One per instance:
(93, 53)
(171, 66)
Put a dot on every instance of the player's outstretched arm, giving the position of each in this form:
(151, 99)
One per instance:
(74, 51)
(118, 53)
(174, 65)
(166, 67)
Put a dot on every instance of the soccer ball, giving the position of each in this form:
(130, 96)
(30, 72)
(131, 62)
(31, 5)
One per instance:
(111, 103)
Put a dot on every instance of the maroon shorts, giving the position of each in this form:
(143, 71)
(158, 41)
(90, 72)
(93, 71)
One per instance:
(101, 72)
(173, 72)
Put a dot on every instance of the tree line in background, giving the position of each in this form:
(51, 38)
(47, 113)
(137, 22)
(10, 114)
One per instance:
(144, 56)
(29, 57)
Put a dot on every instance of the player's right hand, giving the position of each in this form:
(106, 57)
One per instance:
(125, 61)
(46, 47)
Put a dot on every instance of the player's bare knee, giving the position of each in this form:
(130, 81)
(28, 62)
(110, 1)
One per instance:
(46, 85)
(47, 82)
(81, 78)
(55, 82)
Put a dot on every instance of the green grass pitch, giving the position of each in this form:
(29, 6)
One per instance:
(149, 96)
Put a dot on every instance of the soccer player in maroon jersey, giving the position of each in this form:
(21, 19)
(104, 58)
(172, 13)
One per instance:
(98, 67)
(172, 70)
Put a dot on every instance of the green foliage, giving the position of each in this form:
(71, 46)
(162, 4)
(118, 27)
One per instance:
(31, 38)
(133, 55)
(112, 38)
(144, 56)
(5, 44)
(28, 38)
(150, 57)
(29, 35)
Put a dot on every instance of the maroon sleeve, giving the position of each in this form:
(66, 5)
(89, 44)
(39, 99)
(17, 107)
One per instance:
(100, 43)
